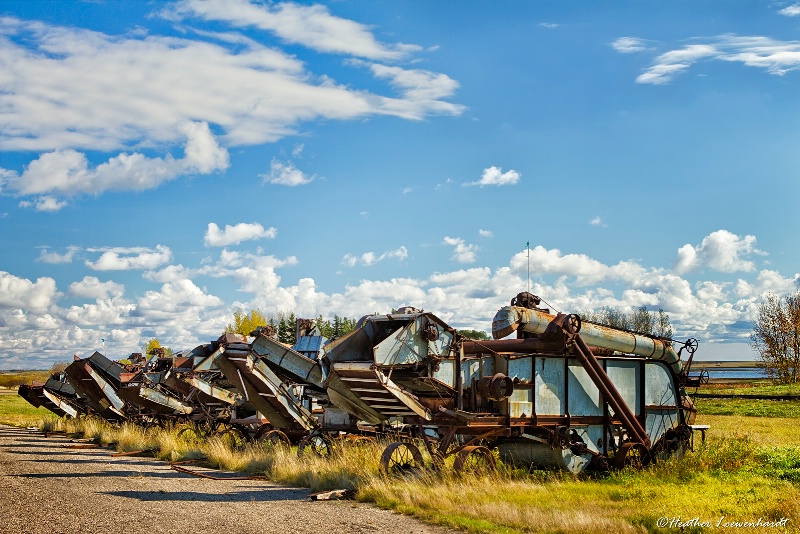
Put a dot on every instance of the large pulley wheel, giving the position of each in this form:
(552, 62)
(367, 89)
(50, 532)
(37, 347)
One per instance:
(633, 455)
(572, 324)
(430, 333)
(477, 460)
(401, 458)
(315, 443)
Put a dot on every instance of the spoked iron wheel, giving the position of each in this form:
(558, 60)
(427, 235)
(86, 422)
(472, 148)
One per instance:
(633, 455)
(232, 437)
(477, 460)
(315, 443)
(401, 459)
(273, 438)
(193, 432)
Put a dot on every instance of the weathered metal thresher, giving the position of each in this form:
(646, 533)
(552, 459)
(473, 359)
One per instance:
(564, 393)
(561, 395)
(285, 384)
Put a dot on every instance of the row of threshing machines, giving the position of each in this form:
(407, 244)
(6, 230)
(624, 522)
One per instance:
(560, 393)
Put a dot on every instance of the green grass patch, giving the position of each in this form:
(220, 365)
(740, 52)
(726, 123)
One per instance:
(752, 388)
(16, 411)
(17, 378)
(749, 407)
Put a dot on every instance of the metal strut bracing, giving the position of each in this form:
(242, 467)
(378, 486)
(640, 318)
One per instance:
(571, 325)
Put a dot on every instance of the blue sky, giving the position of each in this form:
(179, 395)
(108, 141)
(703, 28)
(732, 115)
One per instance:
(165, 163)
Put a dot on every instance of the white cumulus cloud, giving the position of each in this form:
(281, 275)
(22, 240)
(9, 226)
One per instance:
(16, 292)
(130, 258)
(47, 256)
(281, 173)
(721, 251)
(462, 251)
(790, 11)
(495, 176)
(68, 172)
(233, 235)
(370, 258)
(92, 288)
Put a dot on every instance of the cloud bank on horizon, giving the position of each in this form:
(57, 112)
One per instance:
(229, 105)
(182, 312)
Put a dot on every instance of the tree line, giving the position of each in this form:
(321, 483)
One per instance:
(282, 325)
(776, 336)
(640, 320)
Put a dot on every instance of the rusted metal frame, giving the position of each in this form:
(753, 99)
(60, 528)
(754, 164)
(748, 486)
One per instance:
(609, 391)
(213, 477)
(534, 415)
(459, 381)
(212, 391)
(526, 346)
(641, 400)
(285, 398)
(458, 414)
(544, 420)
(133, 453)
(444, 443)
(566, 389)
(475, 439)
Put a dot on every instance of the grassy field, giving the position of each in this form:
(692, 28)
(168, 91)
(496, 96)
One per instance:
(14, 379)
(16, 411)
(749, 468)
(752, 388)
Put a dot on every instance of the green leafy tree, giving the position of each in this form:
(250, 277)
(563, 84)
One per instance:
(477, 335)
(153, 344)
(324, 327)
(348, 325)
(663, 328)
(246, 323)
(286, 328)
(642, 320)
(776, 336)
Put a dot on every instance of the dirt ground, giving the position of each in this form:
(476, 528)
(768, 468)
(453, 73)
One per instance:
(46, 487)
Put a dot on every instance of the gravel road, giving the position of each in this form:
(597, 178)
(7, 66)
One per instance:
(48, 488)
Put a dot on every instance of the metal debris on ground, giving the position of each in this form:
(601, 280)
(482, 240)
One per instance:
(333, 495)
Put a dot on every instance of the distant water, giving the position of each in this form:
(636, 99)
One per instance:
(742, 373)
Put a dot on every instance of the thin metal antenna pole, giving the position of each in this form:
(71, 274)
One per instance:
(528, 246)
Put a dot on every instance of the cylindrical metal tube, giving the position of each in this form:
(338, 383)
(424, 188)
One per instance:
(511, 318)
